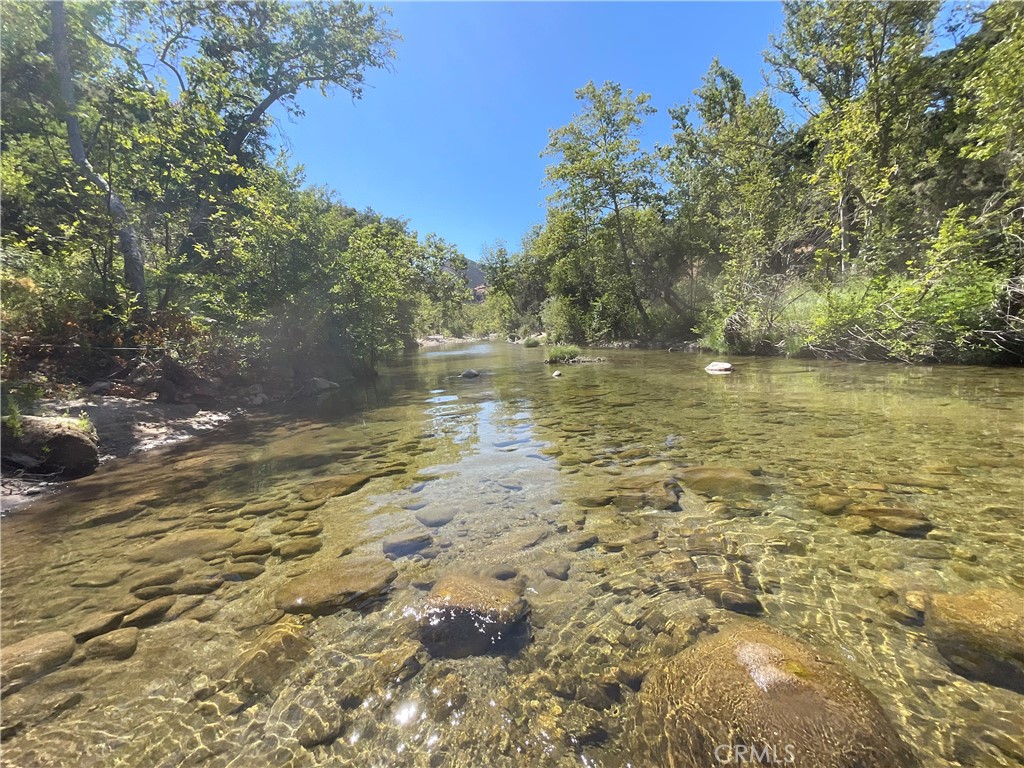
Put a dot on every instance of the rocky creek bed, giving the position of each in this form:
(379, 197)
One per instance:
(633, 564)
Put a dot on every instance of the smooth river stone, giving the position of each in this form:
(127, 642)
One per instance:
(344, 583)
(274, 654)
(178, 546)
(903, 521)
(119, 644)
(981, 634)
(97, 624)
(723, 481)
(725, 593)
(157, 577)
(311, 528)
(402, 545)
(264, 507)
(556, 568)
(150, 613)
(101, 577)
(580, 541)
(34, 657)
(435, 518)
(251, 547)
(339, 485)
(241, 571)
(298, 547)
(752, 687)
(829, 504)
(467, 615)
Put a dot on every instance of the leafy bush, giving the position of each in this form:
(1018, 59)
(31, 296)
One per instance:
(531, 342)
(562, 321)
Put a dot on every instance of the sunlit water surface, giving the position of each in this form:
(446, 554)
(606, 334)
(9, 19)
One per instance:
(524, 461)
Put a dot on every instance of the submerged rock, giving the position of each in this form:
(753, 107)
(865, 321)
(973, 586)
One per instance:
(981, 634)
(469, 373)
(119, 644)
(97, 624)
(405, 544)
(749, 692)
(903, 521)
(241, 571)
(150, 613)
(338, 485)
(470, 615)
(272, 656)
(348, 582)
(178, 546)
(298, 547)
(435, 518)
(34, 657)
(723, 481)
(726, 593)
(556, 567)
(156, 577)
(829, 504)
(856, 524)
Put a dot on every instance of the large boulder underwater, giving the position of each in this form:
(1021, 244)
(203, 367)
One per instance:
(750, 694)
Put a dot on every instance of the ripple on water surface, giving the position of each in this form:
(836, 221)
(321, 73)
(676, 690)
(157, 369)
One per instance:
(836, 504)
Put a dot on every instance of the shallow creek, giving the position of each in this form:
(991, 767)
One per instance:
(565, 488)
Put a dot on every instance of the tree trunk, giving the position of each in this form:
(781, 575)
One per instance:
(626, 265)
(848, 244)
(128, 239)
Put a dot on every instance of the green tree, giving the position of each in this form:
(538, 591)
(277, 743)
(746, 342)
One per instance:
(734, 190)
(603, 171)
(443, 287)
(857, 68)
(67, 104)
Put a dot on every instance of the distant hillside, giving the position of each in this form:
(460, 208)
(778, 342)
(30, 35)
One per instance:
(474, 274)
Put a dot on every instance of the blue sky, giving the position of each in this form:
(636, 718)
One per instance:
(450, 139)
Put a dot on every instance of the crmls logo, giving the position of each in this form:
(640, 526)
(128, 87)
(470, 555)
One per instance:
(766, 754)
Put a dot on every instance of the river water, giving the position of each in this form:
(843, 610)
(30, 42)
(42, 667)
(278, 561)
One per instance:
(557, 485)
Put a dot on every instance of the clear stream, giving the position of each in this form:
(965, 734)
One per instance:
(525, 463)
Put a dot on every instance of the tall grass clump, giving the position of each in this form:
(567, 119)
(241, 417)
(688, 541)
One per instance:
(563, 353)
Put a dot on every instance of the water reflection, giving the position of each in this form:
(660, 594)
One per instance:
(559, 488)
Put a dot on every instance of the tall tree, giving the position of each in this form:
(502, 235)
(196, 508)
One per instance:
(128, 238)
(240, 59)
(734, 193)
(602, 169)
(855, 68)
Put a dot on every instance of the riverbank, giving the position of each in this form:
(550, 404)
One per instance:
(438, 340)
(124, 426)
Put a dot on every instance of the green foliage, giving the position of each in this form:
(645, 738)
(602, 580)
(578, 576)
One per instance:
(601, 178)
(563, 353)
(887, 224)
(494, 315)
(562, 321)
(531, 342)
(444, 292)
(240, 258)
